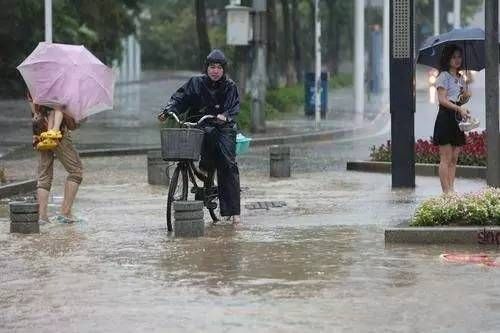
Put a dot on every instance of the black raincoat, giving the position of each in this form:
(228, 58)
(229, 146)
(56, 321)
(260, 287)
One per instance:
(202, 96)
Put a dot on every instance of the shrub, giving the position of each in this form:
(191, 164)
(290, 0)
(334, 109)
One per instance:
(286, 99)
(473, 153)
(340, 80)
(481, 208)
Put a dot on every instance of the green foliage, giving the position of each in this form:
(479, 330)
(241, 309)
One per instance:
(244, 117)
(286, 99)
(473, 153)
(425, 16)
(98, 25)
(340, 80)
(169, 38)
(481, 208)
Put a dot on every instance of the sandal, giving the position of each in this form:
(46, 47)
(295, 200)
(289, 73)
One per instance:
(47, 144)
(51, 134)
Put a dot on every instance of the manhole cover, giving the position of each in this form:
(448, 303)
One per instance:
(265, 205)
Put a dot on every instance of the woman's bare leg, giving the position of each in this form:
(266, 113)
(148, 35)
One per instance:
(445, 155)
(453, 167)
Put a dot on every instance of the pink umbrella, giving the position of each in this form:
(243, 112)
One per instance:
(70, 76)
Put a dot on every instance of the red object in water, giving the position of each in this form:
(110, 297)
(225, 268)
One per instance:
(483, 259)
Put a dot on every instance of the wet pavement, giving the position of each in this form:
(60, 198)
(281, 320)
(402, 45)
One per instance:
(133, 122)
(319, 264)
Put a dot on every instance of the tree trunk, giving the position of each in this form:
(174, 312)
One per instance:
(311, 49)
(201, 27)
(287, 45)
(296, 42)
(333, 38)
(272, 47)
(241, 74)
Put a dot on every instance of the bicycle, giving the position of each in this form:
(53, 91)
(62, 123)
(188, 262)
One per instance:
(185, 154)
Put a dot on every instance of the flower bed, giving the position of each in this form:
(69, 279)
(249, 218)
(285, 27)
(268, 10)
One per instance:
(472, 209)
(473, 153)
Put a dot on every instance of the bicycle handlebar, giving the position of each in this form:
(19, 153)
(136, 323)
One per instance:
(186, 123)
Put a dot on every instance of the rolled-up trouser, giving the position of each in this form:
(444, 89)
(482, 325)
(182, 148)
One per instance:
(219, 151)
(69, 158)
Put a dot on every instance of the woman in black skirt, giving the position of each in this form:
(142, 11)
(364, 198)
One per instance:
(452, 95)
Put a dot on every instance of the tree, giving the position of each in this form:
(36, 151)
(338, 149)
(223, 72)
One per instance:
(297, 56)
(99, 25)
(272, 45)
(201, 28)
(290, 75)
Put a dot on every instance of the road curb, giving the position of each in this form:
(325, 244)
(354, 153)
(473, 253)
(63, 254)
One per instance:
(257, 142)
(444, 235)
(463, 171)
(17, 188)
(117, 151)
(380, 121)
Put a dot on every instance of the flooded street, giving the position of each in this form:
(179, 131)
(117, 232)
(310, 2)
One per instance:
(318, 264)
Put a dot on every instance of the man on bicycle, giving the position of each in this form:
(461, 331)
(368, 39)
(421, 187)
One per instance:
(213, 93)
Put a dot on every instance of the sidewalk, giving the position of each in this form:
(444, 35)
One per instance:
(133, 123)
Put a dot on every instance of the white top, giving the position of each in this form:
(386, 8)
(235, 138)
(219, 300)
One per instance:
(453, 85)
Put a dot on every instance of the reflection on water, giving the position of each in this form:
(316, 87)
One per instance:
(290, 278)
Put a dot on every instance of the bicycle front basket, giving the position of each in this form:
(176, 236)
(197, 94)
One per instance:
(178, 144)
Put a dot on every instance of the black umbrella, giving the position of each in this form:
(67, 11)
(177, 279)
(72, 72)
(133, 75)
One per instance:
(471, 40)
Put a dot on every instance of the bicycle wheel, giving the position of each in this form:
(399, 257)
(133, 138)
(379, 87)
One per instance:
(212, 196)
(176, 191)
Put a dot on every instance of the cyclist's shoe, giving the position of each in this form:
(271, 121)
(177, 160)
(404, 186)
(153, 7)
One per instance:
(51, 134)
(235, 219)
(46, 144)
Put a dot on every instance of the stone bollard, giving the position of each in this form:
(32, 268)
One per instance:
(157, 169)
(279, 166)
(188, 219)
(24, 217)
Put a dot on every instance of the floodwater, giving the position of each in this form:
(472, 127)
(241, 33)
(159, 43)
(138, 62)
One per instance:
(319, 264)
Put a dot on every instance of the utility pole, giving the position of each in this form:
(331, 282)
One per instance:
(436, 18)
(403, 93)
(48, 21)
(259, 75)
(359, 57)
(317, 90)
(457, 9)
(491, 89)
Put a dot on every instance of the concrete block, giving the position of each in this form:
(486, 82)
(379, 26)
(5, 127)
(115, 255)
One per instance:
(188, 206)
(26, 217)
(22, 207)
(189, 228)
(157, 169)
(189, 215)
(25, 227)
(279, 162)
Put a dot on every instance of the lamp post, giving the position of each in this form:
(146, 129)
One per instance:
(48, 21)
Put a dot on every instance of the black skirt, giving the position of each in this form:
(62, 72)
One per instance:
(446, 130)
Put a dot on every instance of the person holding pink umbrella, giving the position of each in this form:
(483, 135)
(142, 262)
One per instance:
(65, 153)
(66, 84)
